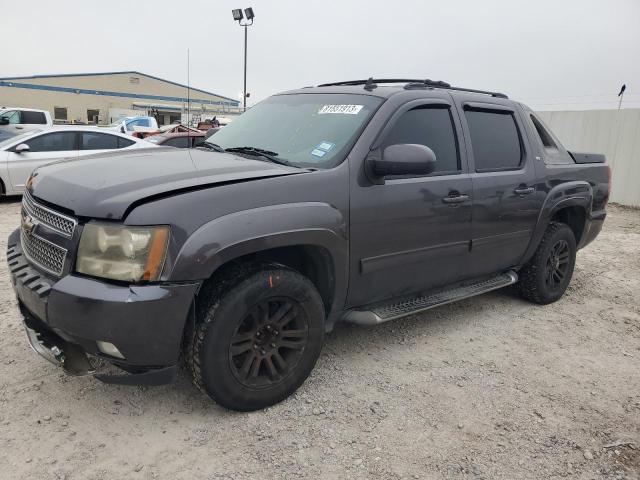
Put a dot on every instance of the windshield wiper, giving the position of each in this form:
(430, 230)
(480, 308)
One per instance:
(259, 152)
(211, 146)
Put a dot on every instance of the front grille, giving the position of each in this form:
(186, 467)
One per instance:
(57, 221)
(45, 254)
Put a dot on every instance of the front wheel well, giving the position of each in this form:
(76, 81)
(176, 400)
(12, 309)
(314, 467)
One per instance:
(574, 217)
(314, 262)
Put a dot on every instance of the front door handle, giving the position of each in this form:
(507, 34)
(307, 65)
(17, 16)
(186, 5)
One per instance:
(455, 199)
(524, 190)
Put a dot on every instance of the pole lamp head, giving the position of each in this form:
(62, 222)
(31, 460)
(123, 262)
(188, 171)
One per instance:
(248, 12)
(237, 14)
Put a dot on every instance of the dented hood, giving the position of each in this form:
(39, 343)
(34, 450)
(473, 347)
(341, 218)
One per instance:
(106, 185)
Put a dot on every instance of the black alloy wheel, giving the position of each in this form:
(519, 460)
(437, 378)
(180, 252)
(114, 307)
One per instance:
(269, 342)
(557, 264)
(546, 276)
(258, 334)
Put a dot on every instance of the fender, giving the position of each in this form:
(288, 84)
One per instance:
(568, 194)
(5, 184)
(249, 231)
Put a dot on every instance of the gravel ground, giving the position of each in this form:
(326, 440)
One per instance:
(491, 387)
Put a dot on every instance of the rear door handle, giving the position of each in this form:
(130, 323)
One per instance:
(524, 190)
(455, 199)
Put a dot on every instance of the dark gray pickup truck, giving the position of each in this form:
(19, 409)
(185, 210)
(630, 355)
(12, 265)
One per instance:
(360, 201)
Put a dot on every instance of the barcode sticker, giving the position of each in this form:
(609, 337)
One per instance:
(344, 109)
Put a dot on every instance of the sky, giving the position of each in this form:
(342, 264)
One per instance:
(550, 54)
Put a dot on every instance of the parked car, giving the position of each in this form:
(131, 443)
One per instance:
(130, 125)
(179, 140)
(20, 154)
(209, 124)
(17, 120)
(364, 202)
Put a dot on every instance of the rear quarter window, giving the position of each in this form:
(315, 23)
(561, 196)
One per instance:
(553, 154)
(124, 142)
(178, 142)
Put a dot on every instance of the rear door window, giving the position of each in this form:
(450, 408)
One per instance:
(98, 141)
(33, 118)
(53, 142)
(495, 139)
(431, 126)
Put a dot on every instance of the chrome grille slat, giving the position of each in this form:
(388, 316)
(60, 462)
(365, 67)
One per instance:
(43, 253)
(60, 223)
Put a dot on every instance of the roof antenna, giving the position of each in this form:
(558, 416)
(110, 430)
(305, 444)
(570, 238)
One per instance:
(370, 85)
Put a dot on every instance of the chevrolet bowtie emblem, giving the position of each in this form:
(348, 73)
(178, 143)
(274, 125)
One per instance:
(27, 223)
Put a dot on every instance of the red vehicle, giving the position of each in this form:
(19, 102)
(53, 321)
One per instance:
(189, 139)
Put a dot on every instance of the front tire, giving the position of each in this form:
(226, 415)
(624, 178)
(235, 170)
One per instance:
(547, 275)
(258, 334)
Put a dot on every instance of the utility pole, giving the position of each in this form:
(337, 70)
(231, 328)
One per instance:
(245, 71)
(239, 17)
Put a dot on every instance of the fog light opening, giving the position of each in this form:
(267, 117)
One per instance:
(109, 349)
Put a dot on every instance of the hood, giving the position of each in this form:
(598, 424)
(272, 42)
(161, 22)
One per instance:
(106, 185)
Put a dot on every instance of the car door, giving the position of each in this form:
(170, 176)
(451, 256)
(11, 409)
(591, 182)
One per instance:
(44, 148)
(505, 201)
(411, 233)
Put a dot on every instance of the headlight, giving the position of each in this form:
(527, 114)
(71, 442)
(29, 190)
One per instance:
(118, 252)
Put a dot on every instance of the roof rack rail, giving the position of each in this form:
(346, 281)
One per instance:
(371, 83)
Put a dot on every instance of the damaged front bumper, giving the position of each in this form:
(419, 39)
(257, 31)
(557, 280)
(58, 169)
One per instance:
(67, 318)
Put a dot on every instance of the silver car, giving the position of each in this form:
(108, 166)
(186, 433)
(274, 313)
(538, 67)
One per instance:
(21, 154)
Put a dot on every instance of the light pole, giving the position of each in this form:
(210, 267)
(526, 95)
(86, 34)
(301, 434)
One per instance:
(238, 17)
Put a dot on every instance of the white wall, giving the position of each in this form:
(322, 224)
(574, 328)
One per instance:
(616, 133)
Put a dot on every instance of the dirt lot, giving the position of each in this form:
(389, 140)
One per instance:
(491, 388)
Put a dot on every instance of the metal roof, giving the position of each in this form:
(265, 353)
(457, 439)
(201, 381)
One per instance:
(125, 72)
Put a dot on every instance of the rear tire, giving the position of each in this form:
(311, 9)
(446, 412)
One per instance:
(547, 275)
(259, 331)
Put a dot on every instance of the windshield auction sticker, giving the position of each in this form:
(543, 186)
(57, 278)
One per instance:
(344, 109)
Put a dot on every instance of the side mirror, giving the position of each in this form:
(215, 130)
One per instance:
(121, 129)
(23, 147)
(403, 159)
(4, 120)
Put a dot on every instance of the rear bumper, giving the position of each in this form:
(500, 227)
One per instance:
(66, 317)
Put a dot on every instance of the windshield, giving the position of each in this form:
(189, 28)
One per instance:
(306, 130)
(154, 138)
(4, 141)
